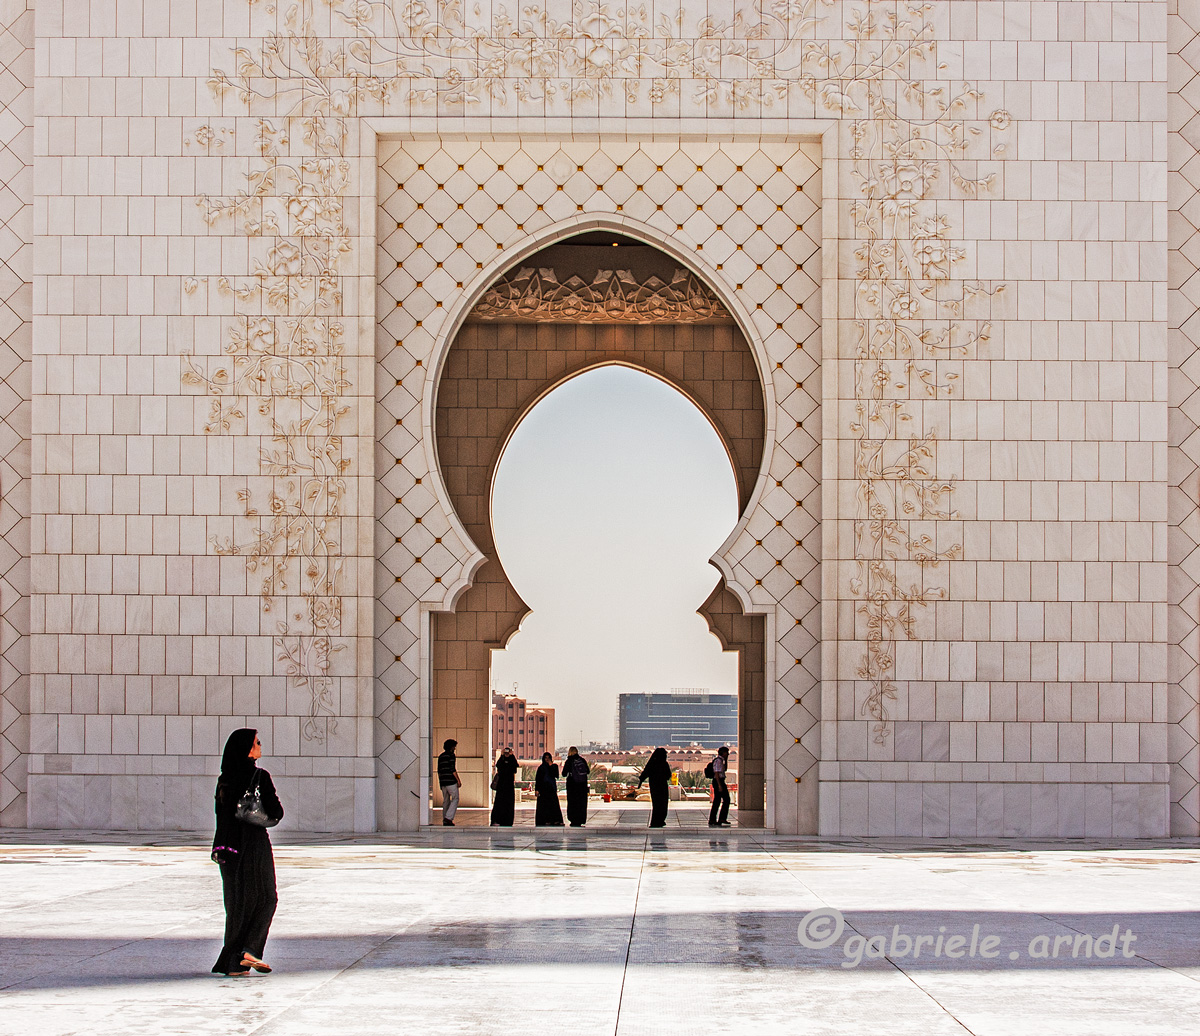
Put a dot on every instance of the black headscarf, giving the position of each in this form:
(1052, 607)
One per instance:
(657, 768)
(237, 768)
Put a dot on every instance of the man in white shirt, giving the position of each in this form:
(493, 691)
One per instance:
(719, 814)
(447, 769)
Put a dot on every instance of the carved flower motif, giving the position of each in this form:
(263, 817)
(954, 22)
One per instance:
(453, 78)
(594, 57)
(285, 259)
(260, 334)
(340, 103)
(789, 9)
(415, 13)
(305, 207)
(934, 256)
(1000, 119)
(905, 178)
(358, 12)
(904, 306)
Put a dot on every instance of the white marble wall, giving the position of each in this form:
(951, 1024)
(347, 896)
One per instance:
(993, 636)
(194, 503)
(1034, 689)
(16, 336)
(1183, 501)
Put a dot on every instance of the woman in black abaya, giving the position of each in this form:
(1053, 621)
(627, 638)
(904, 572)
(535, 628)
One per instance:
(548, 812)
(504, 805)
(576, 770)
(658, 772)
(244, 853)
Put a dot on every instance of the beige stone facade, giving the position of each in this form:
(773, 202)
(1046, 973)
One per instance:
(242, 239)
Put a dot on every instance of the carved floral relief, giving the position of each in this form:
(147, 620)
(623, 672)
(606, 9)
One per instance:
(915, 138)
(613, 297)
(283, 368)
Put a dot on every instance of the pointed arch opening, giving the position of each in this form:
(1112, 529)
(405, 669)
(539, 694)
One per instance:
(618, 479)
(582, 312)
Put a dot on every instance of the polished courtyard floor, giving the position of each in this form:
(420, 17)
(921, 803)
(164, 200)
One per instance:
(689, 815)
(574, 933)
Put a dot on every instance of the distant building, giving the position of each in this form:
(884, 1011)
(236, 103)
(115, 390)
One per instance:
(708, 720)
(691, 759)
(529, 729)
(588, 748)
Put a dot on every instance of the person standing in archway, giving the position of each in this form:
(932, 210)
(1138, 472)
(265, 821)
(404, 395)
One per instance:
(548, 812)
(448, 781)
(658, 772)
(504, 805)
(719, 814)
(576, 770)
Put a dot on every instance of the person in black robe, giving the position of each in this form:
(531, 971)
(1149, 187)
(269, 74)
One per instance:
(243, 852)
(576, 770)
(658, 772)
(504, 805)
(545, 784)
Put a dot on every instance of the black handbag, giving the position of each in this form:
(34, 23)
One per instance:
(250, 809)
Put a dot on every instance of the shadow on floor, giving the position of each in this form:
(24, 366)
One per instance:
(737, 939)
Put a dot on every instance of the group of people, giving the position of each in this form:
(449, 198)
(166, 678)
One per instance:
(575, 770)
(548, 813)
(247, 804)
(657, 773)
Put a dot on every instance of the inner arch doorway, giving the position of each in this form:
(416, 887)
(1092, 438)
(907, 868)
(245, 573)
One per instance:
(609, 499)
(586, 302)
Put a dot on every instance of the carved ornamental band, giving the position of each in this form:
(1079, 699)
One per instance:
(613, 297)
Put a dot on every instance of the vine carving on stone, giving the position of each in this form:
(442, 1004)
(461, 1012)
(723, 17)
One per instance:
(282, 377)
(912, 137)
(912, 321)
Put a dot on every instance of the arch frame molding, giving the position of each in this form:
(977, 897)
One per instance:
(415, 331)
(528, 407)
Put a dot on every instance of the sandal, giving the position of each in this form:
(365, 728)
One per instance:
(253, 962)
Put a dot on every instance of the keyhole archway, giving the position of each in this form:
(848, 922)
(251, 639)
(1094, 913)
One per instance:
(620, 481)
(589, 301)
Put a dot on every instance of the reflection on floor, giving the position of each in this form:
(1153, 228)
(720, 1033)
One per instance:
(687, 815)
(606, 933)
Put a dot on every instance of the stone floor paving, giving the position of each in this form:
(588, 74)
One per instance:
(575, 933)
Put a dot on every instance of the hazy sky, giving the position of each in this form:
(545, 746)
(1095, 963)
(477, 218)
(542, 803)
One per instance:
(609, 500)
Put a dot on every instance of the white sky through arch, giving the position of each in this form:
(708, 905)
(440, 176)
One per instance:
(609, 499)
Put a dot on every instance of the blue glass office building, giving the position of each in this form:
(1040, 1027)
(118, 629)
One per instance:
(709, 720)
